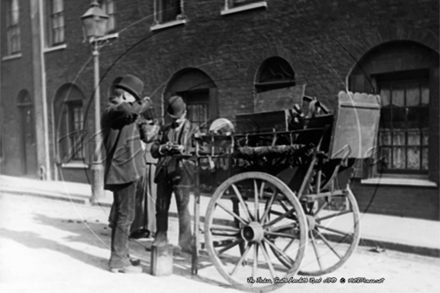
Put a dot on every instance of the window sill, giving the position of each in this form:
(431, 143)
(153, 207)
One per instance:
(11, 57)
(227, 11)
(75, 165)
(55, 48)
(399, 182)
(167, 24)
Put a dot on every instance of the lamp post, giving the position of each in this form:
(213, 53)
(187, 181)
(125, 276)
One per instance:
(95, 26)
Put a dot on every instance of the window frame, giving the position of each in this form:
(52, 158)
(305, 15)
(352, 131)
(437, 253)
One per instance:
(13, 33)
(53, 39)
(159, 13)
(70, 129)
(106, 6)
(422, 132)
(374, 168)
(272, 83)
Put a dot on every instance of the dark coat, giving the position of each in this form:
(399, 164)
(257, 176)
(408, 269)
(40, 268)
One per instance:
(168, 164)
(123, 161)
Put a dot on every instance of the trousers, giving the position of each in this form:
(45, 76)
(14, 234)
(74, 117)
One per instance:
(166, 186)
(123, 208)
(145, 214)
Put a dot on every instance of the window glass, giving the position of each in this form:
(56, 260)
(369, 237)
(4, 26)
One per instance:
(398, 98)
(425, 95)
(169, 10)
(13, 27)
(385, 97)
(69, 124)
(425, 159)
(56, 23)
(413, 96)
(403, 133)
(275, 73)
(108, 6)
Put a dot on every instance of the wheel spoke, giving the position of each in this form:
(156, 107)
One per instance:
(346, 235)
(283, 205)
(241, 259)
(333, 215)
(315, 249)
(243, 204)
(328, 244)
(287, 209)
(231, 213)
(277, 234)
(255, 267)
(256, 194)
(284, 215)
(320, 208)
(269, 207)
(288, 245)
(229, 246)
(282, 253)
(266, 257)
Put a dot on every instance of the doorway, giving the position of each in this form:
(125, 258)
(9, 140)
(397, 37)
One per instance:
(28, 140)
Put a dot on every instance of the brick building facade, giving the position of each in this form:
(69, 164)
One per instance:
(221, 55)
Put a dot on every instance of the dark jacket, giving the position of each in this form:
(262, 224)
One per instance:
(171, 165)
(123, 158)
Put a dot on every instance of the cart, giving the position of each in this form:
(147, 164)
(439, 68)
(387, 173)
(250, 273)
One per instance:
(284, 206)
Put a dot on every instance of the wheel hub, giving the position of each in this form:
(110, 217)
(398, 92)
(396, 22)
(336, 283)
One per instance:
(253, 232)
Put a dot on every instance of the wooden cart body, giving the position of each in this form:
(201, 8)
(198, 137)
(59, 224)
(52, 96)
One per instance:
(308, 169)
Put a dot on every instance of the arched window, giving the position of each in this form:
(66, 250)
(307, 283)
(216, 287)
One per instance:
(275, 86)
(405, 74)
(274, 73)
(199, 93)
(69, 117)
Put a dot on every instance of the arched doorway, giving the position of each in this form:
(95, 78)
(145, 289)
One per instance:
(28, 139)
(199, 92)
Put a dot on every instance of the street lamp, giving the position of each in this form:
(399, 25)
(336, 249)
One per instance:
(95, 26)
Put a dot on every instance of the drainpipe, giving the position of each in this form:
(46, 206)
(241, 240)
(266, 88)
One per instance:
(48, 170)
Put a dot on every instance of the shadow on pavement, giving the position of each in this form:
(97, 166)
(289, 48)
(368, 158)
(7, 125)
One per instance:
(98, 234)
(35, 241)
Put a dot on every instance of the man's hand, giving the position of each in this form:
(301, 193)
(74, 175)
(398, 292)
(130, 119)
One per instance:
(171, 149)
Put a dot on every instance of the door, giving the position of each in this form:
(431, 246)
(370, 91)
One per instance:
(29, 149)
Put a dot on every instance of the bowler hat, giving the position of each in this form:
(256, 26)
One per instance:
(131, 84)
(176, 106)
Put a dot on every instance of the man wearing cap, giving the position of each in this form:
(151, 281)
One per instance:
(124, 163)
(174, 173)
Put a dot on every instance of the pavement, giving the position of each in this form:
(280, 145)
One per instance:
(408, 235)
(52, 246)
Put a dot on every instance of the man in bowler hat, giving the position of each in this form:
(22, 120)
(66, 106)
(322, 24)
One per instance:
(174, 172)
(124, 164)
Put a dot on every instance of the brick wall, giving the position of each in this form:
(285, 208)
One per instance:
(16, 75)
(322, 41)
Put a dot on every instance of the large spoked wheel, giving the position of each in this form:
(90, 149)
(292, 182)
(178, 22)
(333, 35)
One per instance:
(334, 232)
(250, 216)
